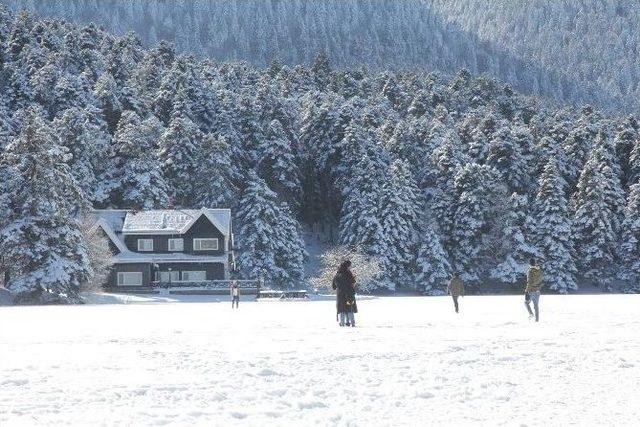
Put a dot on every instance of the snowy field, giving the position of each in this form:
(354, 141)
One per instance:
(410, 361)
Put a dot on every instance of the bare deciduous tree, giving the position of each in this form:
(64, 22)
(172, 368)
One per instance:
(364, 267)
(100, 257)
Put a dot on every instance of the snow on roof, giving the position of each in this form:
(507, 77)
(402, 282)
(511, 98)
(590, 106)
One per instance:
(114, 218)
(116, 223)
(174, 221)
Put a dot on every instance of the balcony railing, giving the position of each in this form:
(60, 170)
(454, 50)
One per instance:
(252, 284)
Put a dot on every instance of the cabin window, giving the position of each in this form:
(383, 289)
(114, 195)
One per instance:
(194, 276)
(205, 244)
(176, 245)
(167, 276)
(130, 278)
(145, 245)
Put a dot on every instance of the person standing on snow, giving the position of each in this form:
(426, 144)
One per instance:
(532, 291)
(455, 289)
(234, 292)
(344, 285)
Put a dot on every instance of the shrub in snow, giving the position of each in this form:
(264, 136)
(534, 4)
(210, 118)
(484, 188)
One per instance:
(365, 268)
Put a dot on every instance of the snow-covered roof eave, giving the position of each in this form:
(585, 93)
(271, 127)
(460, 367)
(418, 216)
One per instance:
(206, 212)
(102, 223)
(225, 230)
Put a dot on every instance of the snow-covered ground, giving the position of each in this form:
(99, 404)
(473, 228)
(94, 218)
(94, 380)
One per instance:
(410, 361)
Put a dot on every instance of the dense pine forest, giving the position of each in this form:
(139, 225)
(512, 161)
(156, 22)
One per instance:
(428, 173)
(566, 50)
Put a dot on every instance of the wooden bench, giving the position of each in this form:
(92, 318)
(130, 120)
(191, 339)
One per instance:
(275, 294)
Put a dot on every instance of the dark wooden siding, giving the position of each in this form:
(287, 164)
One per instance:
(214, 271)
(143, 268)
(202, 228)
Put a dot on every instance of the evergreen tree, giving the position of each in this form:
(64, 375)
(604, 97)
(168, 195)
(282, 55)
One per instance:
(88, 146)
(218, 189)
(270, 242)
(360, 223)
(477, 220)
(631, 238)
(553, 231)
(594, 220)
(634, 163)
(446, 159)
(432, 264)
(181, 156)
(137, 180)
(41, 236)
(277, 164)
(505, 155)
(400, 207)
(517, 241)
(106, 95)
(626, 137)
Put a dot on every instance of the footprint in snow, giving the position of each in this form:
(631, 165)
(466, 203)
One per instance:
(238, 415)
(268, 373)
(425, 395)
(311, 405)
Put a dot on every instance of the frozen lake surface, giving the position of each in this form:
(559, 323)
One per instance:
(410, 361)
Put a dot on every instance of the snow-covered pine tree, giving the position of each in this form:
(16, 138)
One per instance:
(630, 244)
(406, 143)
(634, 163)
(505, 154)
(250, 129)
(577, 144)
(626, 137)
(106, 94)
(290, 254)
(277, 164)
(547, 148)
(605, 150)
(137, 180)
(517, 245)
(41, 236)
(216, 173)
(553, 231)
(596, 218)
(477, 220)
(321, 69)
(269, 238)
(88, 145)
(400, 209)
(446, 159)
(358, 141)
(432, 267)
(6, 126)
(181, 156)
(360, 223)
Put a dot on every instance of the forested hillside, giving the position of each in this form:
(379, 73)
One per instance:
(567, 50)
(428, 173)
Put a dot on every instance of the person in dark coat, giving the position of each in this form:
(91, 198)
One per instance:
(455, 289)
(344, 284)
